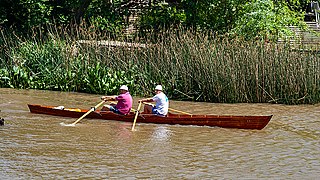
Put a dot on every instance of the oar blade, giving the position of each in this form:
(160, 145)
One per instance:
(64, 124)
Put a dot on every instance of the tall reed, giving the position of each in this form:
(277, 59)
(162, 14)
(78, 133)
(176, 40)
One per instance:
(200, 67)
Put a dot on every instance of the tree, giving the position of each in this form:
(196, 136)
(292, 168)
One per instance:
(266, 19)
(247, 18)
(26, 14)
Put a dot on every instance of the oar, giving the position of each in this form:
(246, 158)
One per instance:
(174, 110)
(92, 109)
(171, 109)
(136, 116)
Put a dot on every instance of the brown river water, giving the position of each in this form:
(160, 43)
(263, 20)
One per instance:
(34, 146)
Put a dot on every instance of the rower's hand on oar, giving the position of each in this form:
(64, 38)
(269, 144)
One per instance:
(108, 98)
(144, 100)
(104, 98)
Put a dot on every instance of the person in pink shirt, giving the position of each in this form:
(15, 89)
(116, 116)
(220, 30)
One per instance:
(124, 103)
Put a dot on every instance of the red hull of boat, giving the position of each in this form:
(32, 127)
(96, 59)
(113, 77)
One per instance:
(224, 121)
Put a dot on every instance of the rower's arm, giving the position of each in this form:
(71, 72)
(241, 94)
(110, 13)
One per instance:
(146, 100)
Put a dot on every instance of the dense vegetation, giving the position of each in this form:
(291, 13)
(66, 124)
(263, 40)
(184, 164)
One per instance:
(204, 50)
(249, 18)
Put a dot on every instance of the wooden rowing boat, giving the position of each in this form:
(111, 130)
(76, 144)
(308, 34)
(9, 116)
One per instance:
(224, 121)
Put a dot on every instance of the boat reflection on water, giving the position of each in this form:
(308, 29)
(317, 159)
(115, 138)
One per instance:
(123, 131)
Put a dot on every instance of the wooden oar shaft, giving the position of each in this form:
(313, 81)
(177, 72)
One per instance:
(92, 109)
(136, 116)
(148, 103)
(182, 112)
(170, 109)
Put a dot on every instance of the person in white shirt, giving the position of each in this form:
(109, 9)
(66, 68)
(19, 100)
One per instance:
(161, 100)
